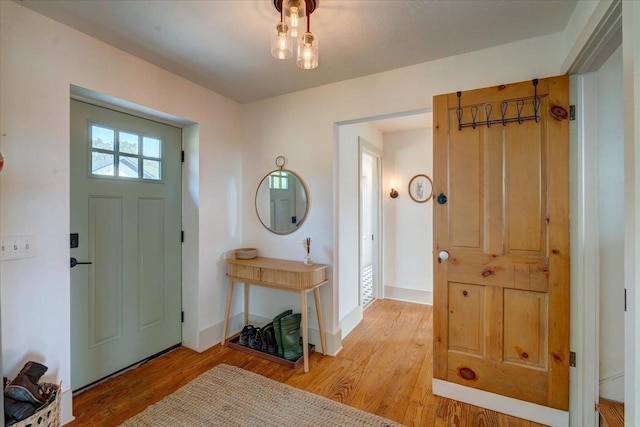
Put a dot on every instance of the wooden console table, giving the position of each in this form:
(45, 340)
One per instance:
(292, 276)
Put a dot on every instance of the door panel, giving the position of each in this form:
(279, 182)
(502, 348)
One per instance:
(501, 314)
(151, 250)
(126, 179)
(466, 314)
(467, 213)
(525, 339)
(525, 187)
(105, 279)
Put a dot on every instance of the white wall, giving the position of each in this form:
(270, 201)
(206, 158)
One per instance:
(41, 59)
(611, 226)
(302, 127)
(408, 226)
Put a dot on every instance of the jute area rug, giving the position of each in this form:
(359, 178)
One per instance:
(230, 396)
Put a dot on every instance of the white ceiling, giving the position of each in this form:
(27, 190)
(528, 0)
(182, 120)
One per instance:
(224, 45)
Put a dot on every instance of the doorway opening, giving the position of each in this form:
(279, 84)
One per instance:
(369, 224)
(382, 243)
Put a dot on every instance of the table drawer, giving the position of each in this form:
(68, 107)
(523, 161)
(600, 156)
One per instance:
(243, 271)
(294, 279)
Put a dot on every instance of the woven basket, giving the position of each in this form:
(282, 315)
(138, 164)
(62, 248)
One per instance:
(48, 415)
(246, 253)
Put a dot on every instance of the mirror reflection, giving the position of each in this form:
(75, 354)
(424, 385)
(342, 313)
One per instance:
(281, 201)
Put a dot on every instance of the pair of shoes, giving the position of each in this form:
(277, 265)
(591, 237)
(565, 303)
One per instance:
(246, 332)
(286, 327)
(269, 344)
(277, 331)
(25, 388)
(290, 330)
(256, 339)
(15, 411)
(23, 396)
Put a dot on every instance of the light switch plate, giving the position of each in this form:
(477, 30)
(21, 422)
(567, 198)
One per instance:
(17, 247)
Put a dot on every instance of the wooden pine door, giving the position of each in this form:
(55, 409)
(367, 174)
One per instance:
(501, 299)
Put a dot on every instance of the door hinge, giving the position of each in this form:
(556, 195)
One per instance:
(182, 316)
(182, 156)
(625, 299)
(572, 359)
(572, 112)
(182, 236)
(372, 239)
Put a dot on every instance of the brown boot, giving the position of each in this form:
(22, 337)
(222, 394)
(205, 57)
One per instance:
(24, 387)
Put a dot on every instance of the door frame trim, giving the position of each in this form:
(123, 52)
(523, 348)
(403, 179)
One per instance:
(584, 388)
(365, 147)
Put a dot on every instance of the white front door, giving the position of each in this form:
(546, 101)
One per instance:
(125, 215)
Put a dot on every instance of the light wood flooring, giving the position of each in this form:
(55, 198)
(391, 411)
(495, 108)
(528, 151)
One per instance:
(384, 368)
(611, 413)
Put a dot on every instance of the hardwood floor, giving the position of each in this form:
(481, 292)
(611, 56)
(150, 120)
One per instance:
(384, 368)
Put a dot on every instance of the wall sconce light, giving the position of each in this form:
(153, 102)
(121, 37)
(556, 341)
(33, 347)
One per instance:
(393, 194)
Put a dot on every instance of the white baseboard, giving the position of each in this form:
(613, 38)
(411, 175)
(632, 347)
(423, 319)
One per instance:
(408, 295)
(212, 335)
(612, 387)
(66, 407)
(506, 405)
(351, 320)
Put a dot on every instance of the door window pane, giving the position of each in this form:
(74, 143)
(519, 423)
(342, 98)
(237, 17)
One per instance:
(130, 155)
(128, 143)
(151, 147)
(151, 169)
(128, 166)
(102, 138)
(102, 163)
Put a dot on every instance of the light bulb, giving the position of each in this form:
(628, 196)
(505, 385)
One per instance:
(293, 18)
(281, 46)
(295, 12)
(307, 52)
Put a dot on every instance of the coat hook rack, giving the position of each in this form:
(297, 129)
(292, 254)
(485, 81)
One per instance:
(504, 106)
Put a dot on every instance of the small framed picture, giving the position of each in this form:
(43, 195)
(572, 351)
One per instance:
(421, 188)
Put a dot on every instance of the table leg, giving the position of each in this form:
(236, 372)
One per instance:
(316, 294)
(227, 310)
(246, 304)
(304, 329)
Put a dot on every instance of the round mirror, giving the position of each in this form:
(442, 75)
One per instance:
(281, 201)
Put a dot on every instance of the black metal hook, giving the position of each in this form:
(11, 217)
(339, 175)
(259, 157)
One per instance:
(536, 101)
(504, 106)
(520, 107)
(474, 114)
(459, 111)
(487, 113)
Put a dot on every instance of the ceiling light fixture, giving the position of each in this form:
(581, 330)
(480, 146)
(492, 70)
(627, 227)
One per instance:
(292, 15)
